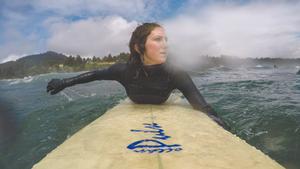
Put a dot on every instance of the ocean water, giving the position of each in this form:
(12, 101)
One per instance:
(261, 104)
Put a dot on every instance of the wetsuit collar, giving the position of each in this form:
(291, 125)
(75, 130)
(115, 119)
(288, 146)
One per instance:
(151, 70)
(156, 66)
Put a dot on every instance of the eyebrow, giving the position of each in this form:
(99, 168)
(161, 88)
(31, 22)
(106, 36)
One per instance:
(155, 36)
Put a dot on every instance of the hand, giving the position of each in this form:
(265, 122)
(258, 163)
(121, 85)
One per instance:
(220, 122)
(214, 116)
(55, 86)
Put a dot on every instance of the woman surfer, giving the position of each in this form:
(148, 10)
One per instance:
(146, 77)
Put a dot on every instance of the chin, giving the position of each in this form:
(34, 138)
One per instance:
(163, 60)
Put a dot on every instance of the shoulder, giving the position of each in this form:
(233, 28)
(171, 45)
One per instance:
(175, 71)
(118, 67)
(180, 78)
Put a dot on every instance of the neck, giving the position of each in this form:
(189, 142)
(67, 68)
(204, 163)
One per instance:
(149, 62)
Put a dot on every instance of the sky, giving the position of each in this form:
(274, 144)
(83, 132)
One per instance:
(238, 28)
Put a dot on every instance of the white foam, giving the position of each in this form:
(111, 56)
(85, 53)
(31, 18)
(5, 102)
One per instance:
(68, 97)
(26, 79)
(78, 94)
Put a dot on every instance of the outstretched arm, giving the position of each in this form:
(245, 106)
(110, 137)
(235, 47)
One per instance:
(111, 73)
(185, 84)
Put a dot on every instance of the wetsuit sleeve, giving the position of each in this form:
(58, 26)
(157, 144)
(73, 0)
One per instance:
(184, 83)
(111, 73)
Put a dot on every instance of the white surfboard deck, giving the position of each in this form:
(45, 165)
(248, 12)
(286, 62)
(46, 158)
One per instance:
(168, 136)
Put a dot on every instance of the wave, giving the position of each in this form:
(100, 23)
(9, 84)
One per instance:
(26, 79)
(67, 96)
(223, 68)
(72, 95)
(263, 67)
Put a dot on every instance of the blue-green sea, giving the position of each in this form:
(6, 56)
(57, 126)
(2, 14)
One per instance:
(261, 104)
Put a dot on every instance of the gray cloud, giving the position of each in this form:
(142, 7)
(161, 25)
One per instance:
(95, 36)
(17, 46)
(45, 19)
(255, 29)
(250, 30)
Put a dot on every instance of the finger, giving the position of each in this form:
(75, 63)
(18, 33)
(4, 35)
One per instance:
(49, 87)
(53, 92)
(48, 90)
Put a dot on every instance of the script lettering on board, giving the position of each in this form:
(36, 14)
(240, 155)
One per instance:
(156, 143)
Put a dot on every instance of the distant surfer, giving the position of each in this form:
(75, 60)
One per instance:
(298, 73)
(147, 76)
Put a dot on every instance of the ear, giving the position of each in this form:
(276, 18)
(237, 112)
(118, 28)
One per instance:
(136, 48)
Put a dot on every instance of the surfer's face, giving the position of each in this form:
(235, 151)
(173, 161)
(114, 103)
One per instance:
(156, 47)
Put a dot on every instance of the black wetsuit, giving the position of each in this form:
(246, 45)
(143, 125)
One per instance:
(149, 84)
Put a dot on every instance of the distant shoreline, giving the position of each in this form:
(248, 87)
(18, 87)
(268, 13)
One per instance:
(52, 62)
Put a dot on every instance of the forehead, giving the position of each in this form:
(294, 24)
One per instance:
(158, 31)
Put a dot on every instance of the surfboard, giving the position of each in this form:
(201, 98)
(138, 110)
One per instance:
(168, 136)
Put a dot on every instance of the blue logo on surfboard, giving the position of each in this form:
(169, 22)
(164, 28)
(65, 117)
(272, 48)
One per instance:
(155, 144)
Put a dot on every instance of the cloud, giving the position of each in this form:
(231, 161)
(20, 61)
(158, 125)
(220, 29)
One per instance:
(95, 36)
(48, 21)
(98, 27)
(12, 57)
(15, 39)
(129, 9)
(17, 45)
(256, 29)
(249, 30)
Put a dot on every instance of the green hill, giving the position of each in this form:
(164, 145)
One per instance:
(55, 62)
(31, 65)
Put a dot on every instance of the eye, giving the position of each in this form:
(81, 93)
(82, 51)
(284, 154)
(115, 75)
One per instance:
(158, 39)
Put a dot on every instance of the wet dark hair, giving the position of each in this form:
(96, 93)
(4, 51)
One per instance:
(139, 37)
